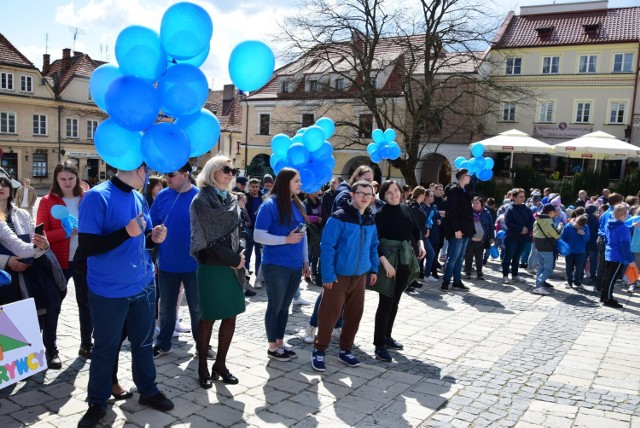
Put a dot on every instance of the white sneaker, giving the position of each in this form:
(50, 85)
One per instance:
(310, 335)
(337, 332)
(180, 328)
(257, 284)
(518, 279)
(505, 280)
(431, 279)
(540, 290)
(157, 330)
(301, 301)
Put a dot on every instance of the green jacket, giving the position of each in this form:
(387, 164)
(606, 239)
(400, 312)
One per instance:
(399, 252)
(545, 234)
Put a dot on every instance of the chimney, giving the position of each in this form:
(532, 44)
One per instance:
(77, 54)
(228, 92)
(46, 63)
(66, 58)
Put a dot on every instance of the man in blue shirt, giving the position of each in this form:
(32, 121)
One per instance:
(114, 235)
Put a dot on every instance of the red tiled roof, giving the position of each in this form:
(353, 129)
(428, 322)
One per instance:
(229, 114)
(616, 25)
(80, 65)
(9, 55)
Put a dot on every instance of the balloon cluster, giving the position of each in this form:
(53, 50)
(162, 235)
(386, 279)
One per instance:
(157, 72)
(478, 164)
(383, 146)
(309, 152)
(68, 221)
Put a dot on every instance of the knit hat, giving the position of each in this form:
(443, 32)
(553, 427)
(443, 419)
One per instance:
(547, 208)
(241, 180)
(267, 178)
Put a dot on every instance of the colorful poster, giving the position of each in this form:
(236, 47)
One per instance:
(22, 353)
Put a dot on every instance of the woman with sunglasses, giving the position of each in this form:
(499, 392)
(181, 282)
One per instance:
(280, 229)
(215, 243)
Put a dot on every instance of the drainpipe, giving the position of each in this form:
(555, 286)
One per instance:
(59, 131)
(246, 139)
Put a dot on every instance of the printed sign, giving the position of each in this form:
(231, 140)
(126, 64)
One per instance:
(22, 353)
(561, 130)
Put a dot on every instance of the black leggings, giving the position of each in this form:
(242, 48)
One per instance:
(388, 307)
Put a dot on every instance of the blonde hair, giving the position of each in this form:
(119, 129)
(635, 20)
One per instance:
(620, 210)
(207, 175)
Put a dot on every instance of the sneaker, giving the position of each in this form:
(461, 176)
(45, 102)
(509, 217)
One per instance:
(249, 293)
(85, 350)
(541, 291)
(158, 352)
(278, 354)
(53, 360)
(156, 330)
(568, 285)
(307, 279)
(389, 342)
(431, 279)
(348, 358)
(158, 401)
(289, 351)
(92, 417)
(445, 286)
(631, 289)
(310, 336)
(466, 276)
(612, 304)
(337, 332)
(505, 280)
(580, 287)
(257, 284)
(382, 354)
(480, 277)
(180, 328)
(317, 361)
(458, 285)
(518, 279)
(301, 301)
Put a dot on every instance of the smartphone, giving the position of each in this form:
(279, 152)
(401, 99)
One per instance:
(39, 230)
(301, 228)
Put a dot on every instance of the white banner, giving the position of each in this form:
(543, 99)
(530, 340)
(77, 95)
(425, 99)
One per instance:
(22, 353)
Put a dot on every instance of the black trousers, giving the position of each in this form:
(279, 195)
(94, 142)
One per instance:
(600, 273)
(613, 272)
(388, 307)
(475, 249)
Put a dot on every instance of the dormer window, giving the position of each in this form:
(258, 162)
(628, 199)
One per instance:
(591, 30)
(284, 87)
(313, 85)
(544, 32)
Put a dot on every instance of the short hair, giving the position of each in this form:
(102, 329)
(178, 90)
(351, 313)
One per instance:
(478, 199)
(417, 192)
(615, 199)
(361, 183)
(254, 181)
(439, 185)
(406, 188)
(491, 202)
(605, 207)
(620, 209)
(517, 191)
(582, 220)
(631, 200)
(359, 172)
(240, 195)
(461, 172)
(213, 165)
(338, 179)
(577, 212)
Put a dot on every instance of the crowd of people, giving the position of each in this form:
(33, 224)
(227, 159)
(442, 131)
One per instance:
(140, 237)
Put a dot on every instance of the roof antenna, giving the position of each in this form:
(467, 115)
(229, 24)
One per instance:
(76, 32)
(46, 43)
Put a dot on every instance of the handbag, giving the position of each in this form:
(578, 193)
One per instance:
(631, 274)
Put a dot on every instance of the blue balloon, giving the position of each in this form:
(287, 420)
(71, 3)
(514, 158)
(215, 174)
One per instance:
(274, 159)
(59, 212)
(99, 82)
(327, 126)
(488, 163)
(495, 252)
(298, 155)
(280, 144)
(323, 153)
(133, 103)
(282, 163)
(297, 138)
(458, 162)
(308, 180)
(331, 163)
(377, 135)
(251, 65)
(479, 162)
(477, 149)
(500, 234)
(386, 152)
(371, 147)
(301, 131)
(395, 152)
(485, 175)
(165, 147)
(313, 138)
(389, 135)
(5, 278)
(376, 156)
(117, 146)
(466, 164)
(185, 30)
(631, 220)
(563, 248)
(183, 90)
(196, 61)
(203, 130)
(139, 53)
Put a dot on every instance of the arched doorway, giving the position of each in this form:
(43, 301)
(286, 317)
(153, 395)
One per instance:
(435, 169)
(354, 163)
(259, 166)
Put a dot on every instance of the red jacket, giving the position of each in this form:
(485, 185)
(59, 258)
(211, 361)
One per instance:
(56, 235)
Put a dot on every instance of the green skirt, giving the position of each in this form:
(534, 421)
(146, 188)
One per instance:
(220, 295)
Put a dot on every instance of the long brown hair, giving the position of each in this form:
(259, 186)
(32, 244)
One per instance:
(66, 166)
(282, 191)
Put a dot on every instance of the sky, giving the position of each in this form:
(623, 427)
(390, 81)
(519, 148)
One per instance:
(99, 22)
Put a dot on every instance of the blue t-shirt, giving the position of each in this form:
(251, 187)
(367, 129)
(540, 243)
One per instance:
(126, 270)
(286, 255)
(172, 209)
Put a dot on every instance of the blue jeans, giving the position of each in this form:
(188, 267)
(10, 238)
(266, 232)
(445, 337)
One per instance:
(524, 258)
(514, 246)
(532, 263)
(251, 247)
(430, 257)
(455, 257)
(281, 284)
(545, 266)
(313, 322)
(110, 316)
(593, 264)
(169, 284)
(575, 261)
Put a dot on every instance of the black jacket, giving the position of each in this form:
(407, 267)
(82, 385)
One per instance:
(459, 212)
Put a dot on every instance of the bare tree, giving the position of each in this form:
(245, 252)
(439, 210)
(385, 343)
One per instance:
(431, 56)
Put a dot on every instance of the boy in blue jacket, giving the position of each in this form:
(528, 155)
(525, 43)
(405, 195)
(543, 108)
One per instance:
(576, 234)
(348, 252)
(617, 254)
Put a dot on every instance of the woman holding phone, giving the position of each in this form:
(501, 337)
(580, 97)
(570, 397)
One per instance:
(280, 229)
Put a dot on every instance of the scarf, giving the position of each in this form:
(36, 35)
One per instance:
(476, 215)
(214, 219)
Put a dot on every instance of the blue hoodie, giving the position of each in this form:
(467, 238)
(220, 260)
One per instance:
(618, 248)
(578, 243)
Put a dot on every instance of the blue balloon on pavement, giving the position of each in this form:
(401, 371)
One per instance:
(133, 103)
(99, 82)
(203, 130)
(139, 53)
(251, 65)
(185, 30)
(165, 147)
(117, 146)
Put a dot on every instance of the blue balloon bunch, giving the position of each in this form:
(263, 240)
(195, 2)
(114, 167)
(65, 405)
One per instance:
(309, 152)
(384, 145)
(479, 165)
(157, 72)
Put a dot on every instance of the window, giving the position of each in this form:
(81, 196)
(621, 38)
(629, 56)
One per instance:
(546, 112)
(265, 119)
(285, 87)
(7, 123)
(308, 119)
(588, 63)
(26, 84)
(40, 165)
(39, 124)
(513, 66)
(623, 63)
(508, 112)
(365, 125)
(583, 112)
(616, 112)
(551, 65)
(72, 128)
(89, 97)
(91, 128)
(313, 85)
(6, 81)
(340, 84)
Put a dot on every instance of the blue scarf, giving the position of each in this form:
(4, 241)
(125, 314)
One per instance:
(222, 193)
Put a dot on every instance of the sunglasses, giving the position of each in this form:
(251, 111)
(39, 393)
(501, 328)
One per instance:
(229, 170)
(173, 174)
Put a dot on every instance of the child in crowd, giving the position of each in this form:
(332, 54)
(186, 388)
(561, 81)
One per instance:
(576, 234)
(482, 238)
(545, 236)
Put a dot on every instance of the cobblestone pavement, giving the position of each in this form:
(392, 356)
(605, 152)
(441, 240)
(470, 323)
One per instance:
(495, 356)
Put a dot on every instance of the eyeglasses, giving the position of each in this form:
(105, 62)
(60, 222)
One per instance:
(364, 195)
(229, 170)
